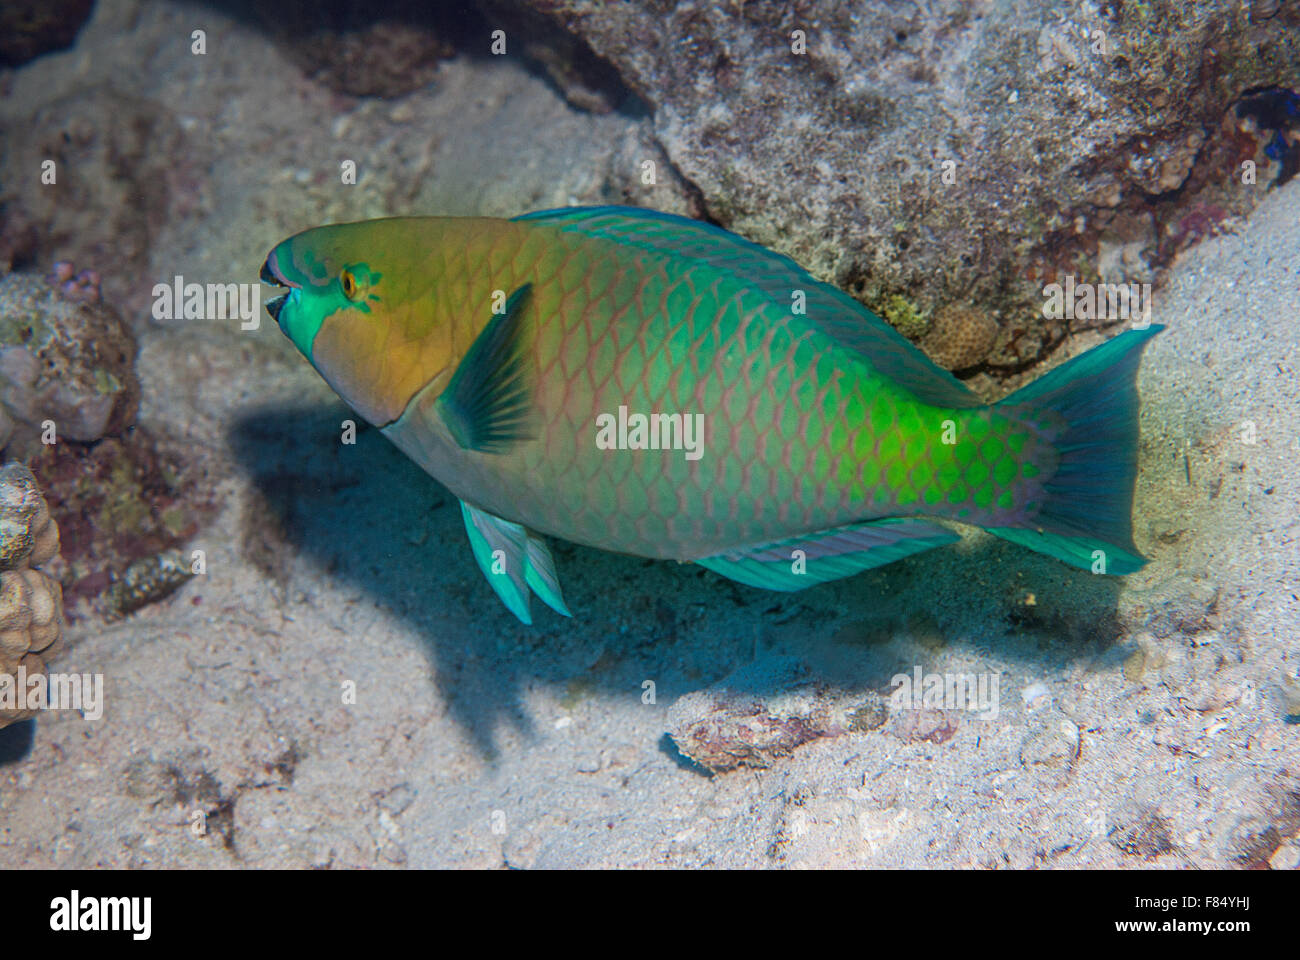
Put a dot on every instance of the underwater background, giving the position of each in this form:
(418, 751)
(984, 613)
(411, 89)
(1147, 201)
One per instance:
(302, 665)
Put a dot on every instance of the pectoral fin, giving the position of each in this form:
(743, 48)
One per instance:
(829, 555)
(516, 562)
(486, 405)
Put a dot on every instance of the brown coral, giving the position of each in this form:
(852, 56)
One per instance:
(960, 337)
(31, 602)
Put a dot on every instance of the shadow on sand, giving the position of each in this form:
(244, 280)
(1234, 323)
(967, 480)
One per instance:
(363, 518)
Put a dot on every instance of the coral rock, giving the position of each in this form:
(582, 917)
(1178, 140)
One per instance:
(124, 174)
(66, 361)
(931, 147)
(960, 337)
(762, 713)
(31, 602)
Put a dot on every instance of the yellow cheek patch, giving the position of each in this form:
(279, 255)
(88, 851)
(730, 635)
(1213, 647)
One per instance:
(378, 360)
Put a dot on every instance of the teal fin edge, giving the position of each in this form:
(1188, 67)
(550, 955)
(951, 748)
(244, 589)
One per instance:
(781, 569)
(525, 562)
(1086, 553)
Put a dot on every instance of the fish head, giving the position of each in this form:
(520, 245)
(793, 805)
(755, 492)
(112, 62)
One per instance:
(358, 305)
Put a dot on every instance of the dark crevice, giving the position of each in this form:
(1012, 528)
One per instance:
(389, 48)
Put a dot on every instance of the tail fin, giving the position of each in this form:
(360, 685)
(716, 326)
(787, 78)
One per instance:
(1086, 519)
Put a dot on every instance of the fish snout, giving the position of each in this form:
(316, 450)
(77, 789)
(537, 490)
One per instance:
(269, 274)
(275, 305)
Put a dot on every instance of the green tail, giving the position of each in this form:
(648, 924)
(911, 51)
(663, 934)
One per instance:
(1087, 519)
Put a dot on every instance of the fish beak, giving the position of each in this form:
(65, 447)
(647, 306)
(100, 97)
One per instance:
(270, 275)
(275, 305)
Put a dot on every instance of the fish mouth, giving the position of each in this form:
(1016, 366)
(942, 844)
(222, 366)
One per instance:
(270, 273)
(275, 305)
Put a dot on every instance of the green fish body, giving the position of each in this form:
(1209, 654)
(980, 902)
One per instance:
(652, 385)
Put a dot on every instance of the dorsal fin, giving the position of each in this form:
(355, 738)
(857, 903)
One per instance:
(832, 311)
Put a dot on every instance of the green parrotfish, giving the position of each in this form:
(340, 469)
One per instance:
(656, 386)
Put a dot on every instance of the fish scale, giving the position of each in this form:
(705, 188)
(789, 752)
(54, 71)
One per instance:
(826, 434)
(784, 482)
(720, 325)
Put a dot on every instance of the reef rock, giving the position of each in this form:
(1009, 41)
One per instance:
(31, 601)
(68, 361)
(951, 150)
(762, 712)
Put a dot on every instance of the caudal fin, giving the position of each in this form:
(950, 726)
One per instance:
(1086, 518)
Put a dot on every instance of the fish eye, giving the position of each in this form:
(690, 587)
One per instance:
(349, 284)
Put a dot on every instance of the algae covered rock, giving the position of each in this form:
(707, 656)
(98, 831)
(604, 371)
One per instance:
(952, 149)
(31, 601)
(763, 712)
(68, 394)
(123, 503)
(71, 362)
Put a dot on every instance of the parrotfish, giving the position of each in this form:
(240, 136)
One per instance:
(656, 386)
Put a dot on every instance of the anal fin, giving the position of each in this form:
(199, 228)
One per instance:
(802, 562)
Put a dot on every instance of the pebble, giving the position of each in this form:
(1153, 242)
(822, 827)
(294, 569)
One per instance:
(1287, 857)
(1052, 741)
(1034, 694)
(397, 799)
